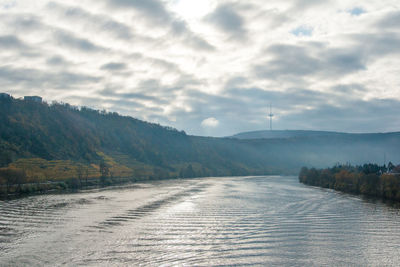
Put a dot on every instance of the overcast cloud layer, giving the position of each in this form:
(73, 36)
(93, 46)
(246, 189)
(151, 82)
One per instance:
(211, 67)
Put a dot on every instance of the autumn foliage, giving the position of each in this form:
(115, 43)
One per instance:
(369, 179)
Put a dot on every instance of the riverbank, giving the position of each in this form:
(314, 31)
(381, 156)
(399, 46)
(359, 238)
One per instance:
(369, 180)
(73, 185)
(65, 186)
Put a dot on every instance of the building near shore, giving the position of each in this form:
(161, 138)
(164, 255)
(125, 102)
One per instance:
(37, 99)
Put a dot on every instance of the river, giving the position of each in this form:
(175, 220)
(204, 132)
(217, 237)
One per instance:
(271, 220)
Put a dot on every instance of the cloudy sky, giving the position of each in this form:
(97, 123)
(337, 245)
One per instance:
(211, 67)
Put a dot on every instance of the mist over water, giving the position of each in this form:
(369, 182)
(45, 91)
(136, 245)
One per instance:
(270, 220)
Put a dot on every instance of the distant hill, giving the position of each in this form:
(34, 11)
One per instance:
(54, 141)
(267, 134)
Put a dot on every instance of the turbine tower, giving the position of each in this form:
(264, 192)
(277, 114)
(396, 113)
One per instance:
(270, 115)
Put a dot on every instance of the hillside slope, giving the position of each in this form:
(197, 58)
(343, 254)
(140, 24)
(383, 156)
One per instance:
(52, 141)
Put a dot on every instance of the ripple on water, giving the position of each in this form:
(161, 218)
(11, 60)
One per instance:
(202, 222)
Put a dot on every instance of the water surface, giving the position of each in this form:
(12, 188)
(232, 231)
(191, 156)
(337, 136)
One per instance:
(268, 220)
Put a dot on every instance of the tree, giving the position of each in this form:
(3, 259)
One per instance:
(86, 175)
(390, 166)
(104, 171)
(5, 158)
(396, 169)
(369, 184)
(13, 177)
(188, 172)
(303, 175)
(79, 173)
(2, 183)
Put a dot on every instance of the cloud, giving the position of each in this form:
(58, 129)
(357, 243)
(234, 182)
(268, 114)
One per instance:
(71, 41)
(11, 42)
(20, 49)
(342, 61)
(287, 60)
(98, 22)
(351, 116)
(391, 21)
(156, 13)
(161, 63)
(114, 66)
(304, 60)
(133, 95)
(57, 61)
(210, 122)
(23, 22)
(153, 10)
(303, 5)
(34, 78)
(181, 29)
(378, 44)
(226, 18)
(9, 4)
(198, 43)
(349, 89)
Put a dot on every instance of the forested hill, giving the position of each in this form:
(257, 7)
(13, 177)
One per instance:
(52, 141)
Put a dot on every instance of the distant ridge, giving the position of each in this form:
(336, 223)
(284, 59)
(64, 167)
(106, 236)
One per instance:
(267, 134)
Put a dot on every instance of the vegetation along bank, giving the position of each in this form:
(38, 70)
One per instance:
(368, 179)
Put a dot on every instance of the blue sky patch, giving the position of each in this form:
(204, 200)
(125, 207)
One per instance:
(357, 11)
(303, 31)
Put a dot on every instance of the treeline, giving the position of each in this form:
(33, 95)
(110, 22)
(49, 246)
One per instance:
(16, 182)
(368, 179)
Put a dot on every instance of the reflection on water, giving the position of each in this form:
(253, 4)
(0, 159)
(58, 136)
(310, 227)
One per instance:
(202, 222)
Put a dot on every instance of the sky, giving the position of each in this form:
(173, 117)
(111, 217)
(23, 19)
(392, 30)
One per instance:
(211, 67)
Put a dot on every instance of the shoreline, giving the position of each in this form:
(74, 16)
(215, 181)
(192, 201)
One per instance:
(95, 183)
(64, 187)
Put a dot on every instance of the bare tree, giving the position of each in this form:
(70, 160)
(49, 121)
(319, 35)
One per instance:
(13, 177)
(86, 175)
(80, 173)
